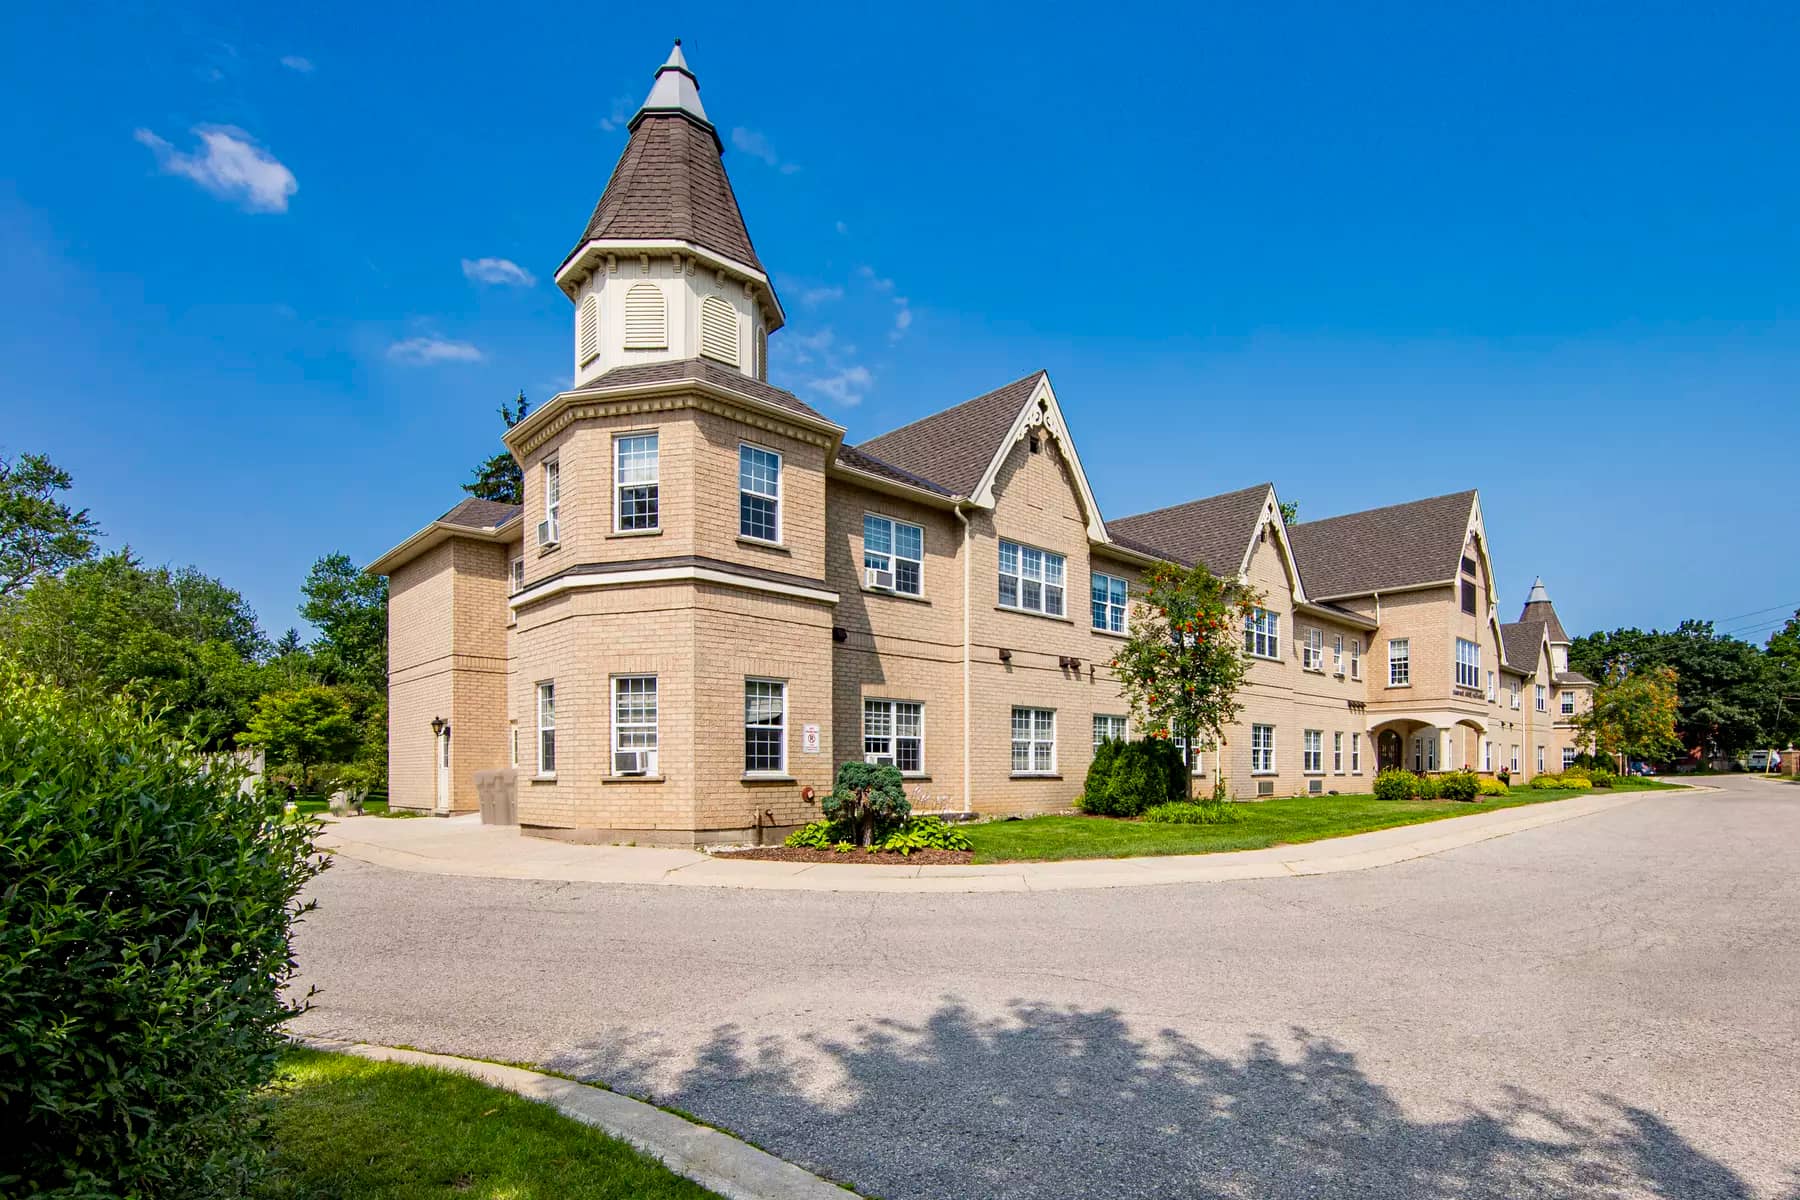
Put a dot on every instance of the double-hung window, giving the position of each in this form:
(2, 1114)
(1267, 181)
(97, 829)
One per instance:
(1031, 579)
(636, 499)
(1541, 706)
(550, 532)
(634, 721)
(759, 493)
(894, 732)
(1312, 751)
(1356, 754)
(1493, 687)
(1262, 749)
(893, 549)
(1312, 650)
(518, 574)
(1109, 728)
(1487, 756)
(1356, 658)
(1399, 662)
(1033, 741)
(1109, 597)
(1515, 698)
(1468, 664)
(1337, 754)
(1569, 753)
(546, 725)
(1540, 760)
(1515, 760)
(765, 727)
(1337, 653)
(1262, 633)
(1198, 766)
(1568, 703)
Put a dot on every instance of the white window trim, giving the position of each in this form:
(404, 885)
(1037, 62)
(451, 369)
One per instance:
(515, 574)
(1312, 650)
(542, 728)
(552, 481)
(1020, 579)
(1124, 726)
(1263, 627)
(653, 768)
(1566, 703)
(1542, 697)
(1402, 660)
(619, 485)
(1309, 764)
(1268, 751)
(1468, 665)
(1124, 609)
(1356, 754)
(893, 734)
(1337, 654)
(776, 772)
(780, 487)
(1356, 658)
(1033, 742)
(1337, 752)
(1540, 760)
(1568, 757)
(893, 555)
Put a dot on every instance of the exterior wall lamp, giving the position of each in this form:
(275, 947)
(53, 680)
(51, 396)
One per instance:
(439, 726)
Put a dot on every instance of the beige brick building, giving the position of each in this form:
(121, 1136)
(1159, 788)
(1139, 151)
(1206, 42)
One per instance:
(708, 599)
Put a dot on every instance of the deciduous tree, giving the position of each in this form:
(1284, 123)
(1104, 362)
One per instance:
(305, 727)
(39, 534)
(1634, 714)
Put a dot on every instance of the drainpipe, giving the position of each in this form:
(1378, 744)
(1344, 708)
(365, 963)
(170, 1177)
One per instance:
(968, 562)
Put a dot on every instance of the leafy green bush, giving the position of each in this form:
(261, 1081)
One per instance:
(1545, 783)
(1494, 787)
(1395, 784)
(1428, 787)
(925, 833)
(869, 797)
(1603, 779)
(1139, 774)
(1099, 770)
(1459, 785)
(145, 927)
(1578, 784)
(818, 835)
(1180, 812)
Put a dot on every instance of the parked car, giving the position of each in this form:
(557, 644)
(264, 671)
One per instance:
(1758, 761)
(1639, 767)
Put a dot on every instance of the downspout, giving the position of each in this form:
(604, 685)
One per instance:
(968, 566)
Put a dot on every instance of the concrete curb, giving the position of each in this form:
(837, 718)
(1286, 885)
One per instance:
(712, 1159)
(462, 847)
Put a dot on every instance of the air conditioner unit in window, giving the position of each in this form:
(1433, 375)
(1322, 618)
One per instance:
(1315, 786)
(546, 534)
(1265, 787)
(875, 577)
(629, 762)
(1338, 671)
(879, 760)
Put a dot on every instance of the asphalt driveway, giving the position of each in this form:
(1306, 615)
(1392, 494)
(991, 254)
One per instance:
(1608, 1006)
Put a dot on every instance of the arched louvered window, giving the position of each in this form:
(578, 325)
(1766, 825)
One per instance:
(646, 318)
(587, 331)
(719, 330)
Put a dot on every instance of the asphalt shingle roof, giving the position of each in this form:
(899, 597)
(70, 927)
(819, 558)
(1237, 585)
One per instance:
(1543, 610)
(708, 371)
(862, 460)
(1215, 530)
(481, 514)
(671, 183)
(1522, 641)
(952, 448)
(1401, 545)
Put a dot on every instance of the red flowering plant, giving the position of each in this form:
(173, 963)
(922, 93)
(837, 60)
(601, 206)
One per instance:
(1183, 663)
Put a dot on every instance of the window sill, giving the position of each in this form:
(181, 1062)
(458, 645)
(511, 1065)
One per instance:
(1032, 612)
(1274, 658)
(550, 778)
(1264, 774)
(875, 591)
(766, 777)
(1124, 635)
(916, 776)
(1313, 670)
(635, 533)
(548, 548)
(1313, 774)
(1035, 775)
(763, 544)
(604, 779)
(1393, 687)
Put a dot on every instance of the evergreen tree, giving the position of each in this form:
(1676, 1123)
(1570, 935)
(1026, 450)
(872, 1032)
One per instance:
(499, 477)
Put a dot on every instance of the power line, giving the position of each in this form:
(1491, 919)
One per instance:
(1759, 612)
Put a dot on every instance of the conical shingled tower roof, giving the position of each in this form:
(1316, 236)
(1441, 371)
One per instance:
(1539, 608)
(670, 182)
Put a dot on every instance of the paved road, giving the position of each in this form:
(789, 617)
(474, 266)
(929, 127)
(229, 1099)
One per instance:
(1605, 1007)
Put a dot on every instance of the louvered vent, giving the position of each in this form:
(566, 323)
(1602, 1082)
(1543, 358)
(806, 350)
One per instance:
(646, 318)
(719, 330)
(587, 332)
(762, 353)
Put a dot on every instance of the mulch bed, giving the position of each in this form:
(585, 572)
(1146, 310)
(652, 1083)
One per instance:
(918, 858)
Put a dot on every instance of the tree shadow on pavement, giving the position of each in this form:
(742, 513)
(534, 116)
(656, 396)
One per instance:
(1047, 1102)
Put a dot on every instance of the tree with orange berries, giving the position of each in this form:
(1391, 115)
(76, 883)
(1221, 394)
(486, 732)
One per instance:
(1182, 665)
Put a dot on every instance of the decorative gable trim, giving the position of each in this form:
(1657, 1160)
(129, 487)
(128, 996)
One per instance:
(1270, 518)
(1041, 412)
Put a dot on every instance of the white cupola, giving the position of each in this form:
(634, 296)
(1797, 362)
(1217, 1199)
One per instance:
(665, 270)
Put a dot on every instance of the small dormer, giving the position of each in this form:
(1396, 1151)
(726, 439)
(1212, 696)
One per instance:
(665, 270)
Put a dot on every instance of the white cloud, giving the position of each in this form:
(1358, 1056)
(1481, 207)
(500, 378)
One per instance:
(618, 115)
(757, 145)
(846, 387)
(427, 351)
(229, 164)
(903, 318)
(814, 296)
(498, 270)
(879, 283)
(295, 62)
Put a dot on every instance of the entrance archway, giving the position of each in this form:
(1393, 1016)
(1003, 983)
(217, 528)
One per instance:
(1388, 749)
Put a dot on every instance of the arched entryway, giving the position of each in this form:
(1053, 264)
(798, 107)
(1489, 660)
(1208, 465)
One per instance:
(1389, 749)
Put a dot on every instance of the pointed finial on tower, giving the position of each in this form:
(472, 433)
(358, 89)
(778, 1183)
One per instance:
(1538, 593)
(675, 91)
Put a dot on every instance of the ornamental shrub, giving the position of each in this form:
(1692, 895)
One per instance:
(1395, 784)
(1580, 785)
(1602, 779)
(819, 835)
(1428, 787)
(925, 833)
(868, 795)
(1545, 783)
(1459, 785)
(1100, 770)
(1181, 812)
(1494, 787)
(146, 913)
(1140, 774)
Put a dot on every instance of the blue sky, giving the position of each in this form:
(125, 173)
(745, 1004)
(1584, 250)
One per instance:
(1372, 255)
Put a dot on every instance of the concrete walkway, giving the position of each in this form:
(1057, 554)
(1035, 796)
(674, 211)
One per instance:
(714, 1160)
(464, 846)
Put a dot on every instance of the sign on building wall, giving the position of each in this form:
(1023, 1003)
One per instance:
(809, 739)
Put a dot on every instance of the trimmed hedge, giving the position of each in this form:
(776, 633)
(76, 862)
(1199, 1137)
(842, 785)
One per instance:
(1125, 778)
(145, 923)
(1493, 787)
(1395, 784)
(1459, 785)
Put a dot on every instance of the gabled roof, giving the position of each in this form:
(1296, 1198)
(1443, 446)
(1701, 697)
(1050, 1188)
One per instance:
(1215, 530)
(1539, 608)
(670, 183)
(707, 371)
(1565, 678)
(1382, 549)
(1522, 641)
(858, 459)
(481, 514)
(953, 448)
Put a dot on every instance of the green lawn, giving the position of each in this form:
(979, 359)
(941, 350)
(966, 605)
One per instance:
(347, 1128)
(1267, 823)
